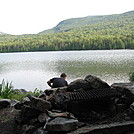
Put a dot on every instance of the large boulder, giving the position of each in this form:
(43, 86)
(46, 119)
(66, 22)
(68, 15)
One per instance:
(124, 88)
(127, 91)
(61, 124)
(95, 82)
(39, 104)
(79, 84)
(59, 101)
(26, 114)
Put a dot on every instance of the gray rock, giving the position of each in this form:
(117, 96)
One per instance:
(28, 112)
(18, 105)
(43, 117)
(4, 103)
(113, 128)
(42, 96)
(20, 91)
(27, 115)
(62, 125)
(40, 131)
(23, 91)
(39, 104)
(60, 114)
(59, 101)
(26, 101)
(125, 88)
(13, 103)
(27, 129)
(48, 91)
(7, 122)
(79, 84)
(132, 106)
(96, 82)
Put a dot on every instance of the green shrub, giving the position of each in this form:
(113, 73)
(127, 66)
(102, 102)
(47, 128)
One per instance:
(131, 77)
(16, 96)
(36, 92)
(6, 89)
(7, 92)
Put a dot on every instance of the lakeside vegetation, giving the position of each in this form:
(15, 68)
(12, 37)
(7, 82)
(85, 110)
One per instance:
(88, 33)
(7, 91)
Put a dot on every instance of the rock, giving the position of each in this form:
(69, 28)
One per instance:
(121, 107)
(62, 89)
(53, 91)
(60, 114)
(125, 88)
(4, 103)
(7, 122)
(48, 92)
(13, 103)
(40, 131)
(26, 101)
(113, 128)
(42, 96)
(79, 84)
(27, 129)
(95, 82)
(18, 105)
(20, 91)
(39, 104)
(132, 106)
(59, 101)
(127, 91)
(43, 117)
(27, 113)
(62, 125)
(23, 91)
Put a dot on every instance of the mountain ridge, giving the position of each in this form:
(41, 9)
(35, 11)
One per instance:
(72, 23)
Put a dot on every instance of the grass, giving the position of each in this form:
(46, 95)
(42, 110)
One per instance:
(7, 91)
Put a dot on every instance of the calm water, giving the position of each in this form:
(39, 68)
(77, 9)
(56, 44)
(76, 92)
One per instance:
(31, 70)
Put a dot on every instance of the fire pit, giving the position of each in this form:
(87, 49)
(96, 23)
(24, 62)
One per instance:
(86, 104)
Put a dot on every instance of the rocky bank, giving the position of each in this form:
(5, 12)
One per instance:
(86, 106)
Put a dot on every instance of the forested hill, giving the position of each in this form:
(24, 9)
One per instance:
(88, 33)
(117, 20)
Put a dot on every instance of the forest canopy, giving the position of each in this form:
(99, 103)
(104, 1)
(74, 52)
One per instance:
(89, 33)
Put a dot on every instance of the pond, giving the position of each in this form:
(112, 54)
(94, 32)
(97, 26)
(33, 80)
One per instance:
(30, 70)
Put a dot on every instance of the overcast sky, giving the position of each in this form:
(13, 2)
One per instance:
(33, 16)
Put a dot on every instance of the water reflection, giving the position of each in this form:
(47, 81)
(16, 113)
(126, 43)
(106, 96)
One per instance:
(32, 70)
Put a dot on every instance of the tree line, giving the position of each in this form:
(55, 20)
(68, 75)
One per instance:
(88, 33)
(67, 41)
(109, 35)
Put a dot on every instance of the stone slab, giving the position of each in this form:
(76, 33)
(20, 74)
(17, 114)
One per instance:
(113, 128)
